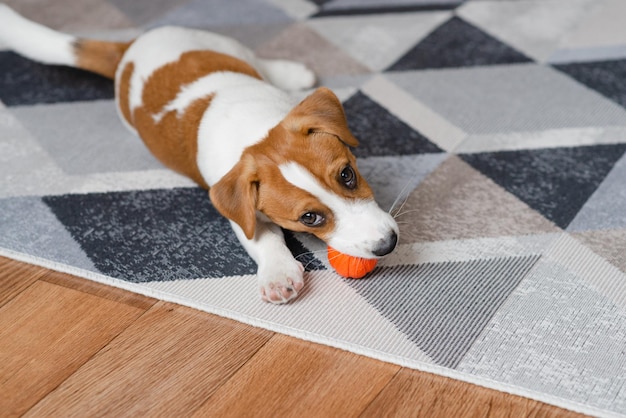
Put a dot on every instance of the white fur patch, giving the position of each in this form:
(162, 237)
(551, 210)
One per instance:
(359, 224)
(242, 112)
(35, 41)
(200, 88)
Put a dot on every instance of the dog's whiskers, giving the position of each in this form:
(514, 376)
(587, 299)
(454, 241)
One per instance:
(402, 198)
(312, 254)
(399, 214)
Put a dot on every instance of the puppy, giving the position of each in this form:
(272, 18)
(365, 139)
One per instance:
(208, 108)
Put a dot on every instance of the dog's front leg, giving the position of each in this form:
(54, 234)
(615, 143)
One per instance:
(279, 275)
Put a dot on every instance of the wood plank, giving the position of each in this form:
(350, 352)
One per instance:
(289, 377)
(418, 394)
(16, 276)
(409, 393)
(46, 333)
(166, 364)
(100, 290)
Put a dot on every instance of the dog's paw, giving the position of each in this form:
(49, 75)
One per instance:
(290, 75)
(297, 76)
(280, 282)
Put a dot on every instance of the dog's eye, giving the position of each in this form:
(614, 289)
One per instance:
(312, 219)
(348, 177)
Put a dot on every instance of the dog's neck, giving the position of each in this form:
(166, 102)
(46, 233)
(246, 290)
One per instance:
(241, 115)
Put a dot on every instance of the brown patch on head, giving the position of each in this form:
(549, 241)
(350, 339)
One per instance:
(314, 135)
(99, 56)
(320, 112)
(325, 157)
(285, 204)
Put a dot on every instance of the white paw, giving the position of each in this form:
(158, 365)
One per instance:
(290, 75)
(298, 76)
(280, 282)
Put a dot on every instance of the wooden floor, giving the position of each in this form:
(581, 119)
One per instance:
(69, 346)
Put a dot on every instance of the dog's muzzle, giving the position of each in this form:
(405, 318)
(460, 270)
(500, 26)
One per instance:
(386, 245)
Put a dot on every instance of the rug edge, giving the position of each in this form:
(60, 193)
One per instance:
(309, 336)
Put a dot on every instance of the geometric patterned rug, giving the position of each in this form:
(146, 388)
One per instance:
(498, 129)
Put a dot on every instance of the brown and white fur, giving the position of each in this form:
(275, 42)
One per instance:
(208, 108)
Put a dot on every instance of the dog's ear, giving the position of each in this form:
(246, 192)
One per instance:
(321, 112)
(235, 195)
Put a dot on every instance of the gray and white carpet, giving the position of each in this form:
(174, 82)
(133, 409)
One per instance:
(503, 123)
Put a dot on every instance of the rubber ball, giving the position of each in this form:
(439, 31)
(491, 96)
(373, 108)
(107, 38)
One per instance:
(348, 266)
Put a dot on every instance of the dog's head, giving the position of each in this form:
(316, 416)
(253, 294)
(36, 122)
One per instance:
(304, 178)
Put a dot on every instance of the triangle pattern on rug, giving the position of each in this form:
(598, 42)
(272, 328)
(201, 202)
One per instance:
(378, 41)
(301, 43)
(28, 226)
(606, 208)
(556, 182)
(443, 307)
(380, 132)
(606, 77)
(456, 202)
(536, 29)
(457, 43)
(609, 244)
(148, 235)
(25, 82)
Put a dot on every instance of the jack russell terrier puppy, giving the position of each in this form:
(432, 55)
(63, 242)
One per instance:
(208, 108)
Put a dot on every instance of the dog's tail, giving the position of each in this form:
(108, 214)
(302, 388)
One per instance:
(48, 46)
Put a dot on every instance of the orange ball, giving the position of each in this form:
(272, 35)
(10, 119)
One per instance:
(348, 266)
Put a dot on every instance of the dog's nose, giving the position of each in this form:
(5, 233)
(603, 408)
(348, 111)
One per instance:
(386, 245)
